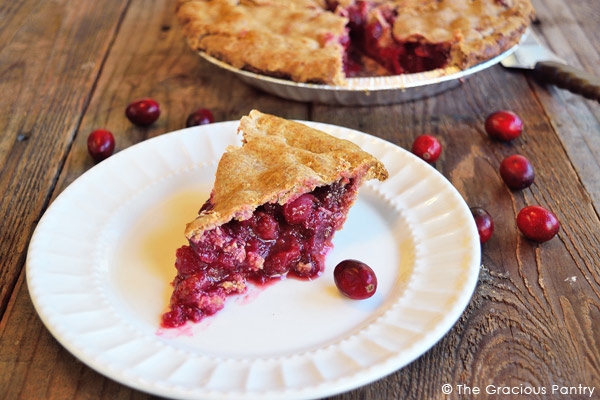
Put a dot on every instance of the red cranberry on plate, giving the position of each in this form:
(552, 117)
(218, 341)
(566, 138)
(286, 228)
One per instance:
(503, 125)
(484, 222)
(143, 112)
(537, 223)
(202, 116)
(101, 144)
(355, 279)
(427, 147)
(516, 171)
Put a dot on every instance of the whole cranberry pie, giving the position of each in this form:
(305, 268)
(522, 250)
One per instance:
(276, 203)
(326, 41)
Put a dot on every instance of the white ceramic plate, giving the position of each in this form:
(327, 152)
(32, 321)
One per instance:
(101, 259)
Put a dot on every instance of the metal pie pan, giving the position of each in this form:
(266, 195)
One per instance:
(363, 91)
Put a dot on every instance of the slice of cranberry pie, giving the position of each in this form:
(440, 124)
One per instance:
(326, 41)
(275, 206)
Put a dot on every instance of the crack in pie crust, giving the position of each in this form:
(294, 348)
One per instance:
(276, 203)
(326, 41)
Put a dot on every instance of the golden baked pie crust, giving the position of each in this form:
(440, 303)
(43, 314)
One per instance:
(279, 161)
(300, 39)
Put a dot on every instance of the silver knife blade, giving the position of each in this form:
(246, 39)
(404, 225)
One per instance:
(549, 68)
(529, 52)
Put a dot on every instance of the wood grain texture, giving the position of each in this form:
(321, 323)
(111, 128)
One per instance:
(157, 64)
(535, 315)
(45, 91)
(160, 65)
(535, 310)
(568, 29)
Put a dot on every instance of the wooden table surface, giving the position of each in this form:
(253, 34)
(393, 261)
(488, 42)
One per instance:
(534, 319)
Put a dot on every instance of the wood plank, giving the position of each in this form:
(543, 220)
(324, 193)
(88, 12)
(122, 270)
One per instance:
(160, 65)
(569, 29)
(48, 67)
(587, 14)
(535, 310)
(34, 366)
(157, 64)
(529, 321)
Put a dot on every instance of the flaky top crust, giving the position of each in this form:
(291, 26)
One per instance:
(300, 39)
(477, 29)
(279, 161)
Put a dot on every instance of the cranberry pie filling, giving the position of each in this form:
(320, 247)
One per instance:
(371, 33)
(278, 240)
(276, 203)
(327, 41)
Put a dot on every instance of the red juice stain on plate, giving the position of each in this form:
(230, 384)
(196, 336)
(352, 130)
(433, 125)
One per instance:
(173, 333)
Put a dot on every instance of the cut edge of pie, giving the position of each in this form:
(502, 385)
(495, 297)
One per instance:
(303, 43)
(317, 41)
(279, 161)
(276, 203)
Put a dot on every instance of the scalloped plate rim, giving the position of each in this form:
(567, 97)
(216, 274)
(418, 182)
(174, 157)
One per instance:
(375, 372)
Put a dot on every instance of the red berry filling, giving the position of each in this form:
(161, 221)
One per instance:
(371, 33)
(276, 241)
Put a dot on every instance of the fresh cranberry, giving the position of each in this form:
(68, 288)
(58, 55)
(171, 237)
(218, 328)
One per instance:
(537, 223)
(484, 222)
(101, 144)
(503, 125)
(143, 112)
(516, 171)
(299, 210)
(202, 116)
(355, 279)
(427, 147)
